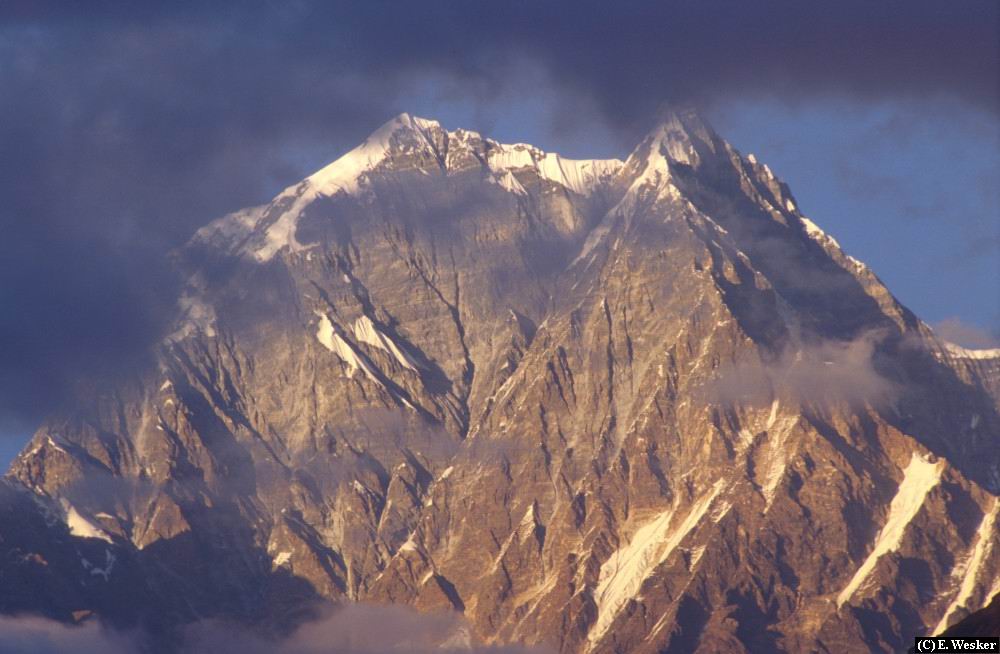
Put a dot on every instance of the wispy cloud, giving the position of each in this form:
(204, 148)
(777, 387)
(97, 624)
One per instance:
(826, 372)
(962, 333)
(351, 629)
(357, 629)
(36, 635)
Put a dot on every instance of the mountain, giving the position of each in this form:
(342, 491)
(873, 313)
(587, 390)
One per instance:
(596, 405)
(985, 622)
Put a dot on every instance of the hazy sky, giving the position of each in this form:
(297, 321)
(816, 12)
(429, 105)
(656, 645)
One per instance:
(125, 126)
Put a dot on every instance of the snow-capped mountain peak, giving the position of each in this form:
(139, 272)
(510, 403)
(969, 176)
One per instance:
(404, 143)
(680, 138)
(403, 131)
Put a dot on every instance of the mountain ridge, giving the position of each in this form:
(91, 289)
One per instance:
(635, 406)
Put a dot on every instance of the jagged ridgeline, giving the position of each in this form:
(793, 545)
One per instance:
(598, 405)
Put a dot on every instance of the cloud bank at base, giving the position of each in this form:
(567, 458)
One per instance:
(352, 629)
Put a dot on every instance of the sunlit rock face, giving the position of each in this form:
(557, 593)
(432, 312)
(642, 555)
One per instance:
(602, 406)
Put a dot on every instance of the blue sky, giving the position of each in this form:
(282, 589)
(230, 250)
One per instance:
(912, 190)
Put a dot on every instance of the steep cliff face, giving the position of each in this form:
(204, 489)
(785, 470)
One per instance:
(606, 406)
(984, 622)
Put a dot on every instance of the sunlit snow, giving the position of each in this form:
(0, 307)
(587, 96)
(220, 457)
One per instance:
(969, 353)
(652, 544)
(262, 234)
(968, 570)
(813, 230)
(367, 332)
(332, 341)
(80, 526)
(919, 477)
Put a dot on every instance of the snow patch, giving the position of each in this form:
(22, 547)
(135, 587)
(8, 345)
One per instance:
(27, 454)
(80, 526)
(623, 574)
(332, 341)
(777, 435)
(507, 181)
(529, 517)
(695, 556)
(968, 570)
(54, 445)
(596, 236)
(367, 332)
(814, 231)
(582, 176)
(774, 413)
(967, 353)
(859, 266)
(721, 510)
(282, 558)
(281, 233)
(528, 523)
(516, 156)
(919, 477)
(324, 332)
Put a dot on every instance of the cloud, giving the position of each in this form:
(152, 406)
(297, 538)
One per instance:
(956, 331)
(827, 372)
(127, 125)
(352, 629)
(37, 635)
(356, 629)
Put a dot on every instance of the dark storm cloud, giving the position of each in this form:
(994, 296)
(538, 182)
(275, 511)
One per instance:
(630, 56)
(124, 126)
(118, 141)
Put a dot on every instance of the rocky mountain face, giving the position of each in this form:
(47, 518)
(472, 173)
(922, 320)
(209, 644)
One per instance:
(985, 622)
(600, 406)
